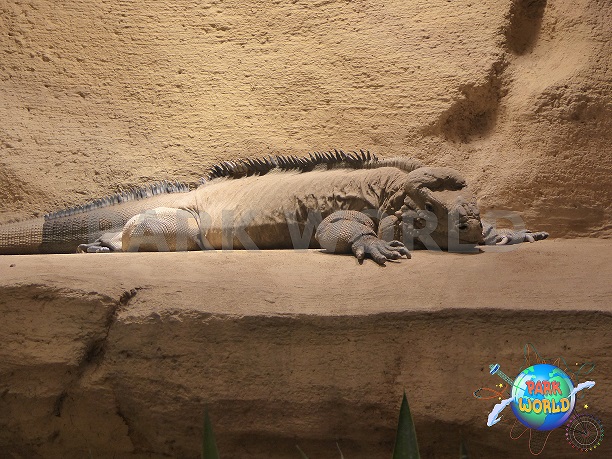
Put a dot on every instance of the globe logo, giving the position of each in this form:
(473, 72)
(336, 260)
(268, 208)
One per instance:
(542, 397)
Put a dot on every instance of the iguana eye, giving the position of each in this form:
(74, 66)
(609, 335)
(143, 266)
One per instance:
(429, 207)
(420, 223)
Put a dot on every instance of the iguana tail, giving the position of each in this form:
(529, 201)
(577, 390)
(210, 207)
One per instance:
(21, 238)
(63, 231)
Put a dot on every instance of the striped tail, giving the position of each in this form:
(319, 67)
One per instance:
(21, 238)
(63, 231)
(44, 235)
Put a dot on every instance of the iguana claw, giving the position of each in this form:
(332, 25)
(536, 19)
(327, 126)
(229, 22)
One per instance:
(380, 251)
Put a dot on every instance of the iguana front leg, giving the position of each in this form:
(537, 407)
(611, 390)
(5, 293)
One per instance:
(348, 231)
(494, 236)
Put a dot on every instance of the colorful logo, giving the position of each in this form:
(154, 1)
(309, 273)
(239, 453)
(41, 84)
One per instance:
(543, 397)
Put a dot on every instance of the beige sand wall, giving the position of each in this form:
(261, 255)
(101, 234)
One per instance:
(114, 357)
(98, 95)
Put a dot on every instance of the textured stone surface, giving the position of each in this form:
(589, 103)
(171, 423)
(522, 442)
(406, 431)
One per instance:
(117, 355)
(100, 95)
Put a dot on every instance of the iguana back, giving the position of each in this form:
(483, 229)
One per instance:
(63, 231)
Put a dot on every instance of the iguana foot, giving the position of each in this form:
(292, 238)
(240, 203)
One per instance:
(109, 242)
(94, 247)
(516, 237)
(492, 236)
(348, 230)
(380, 251)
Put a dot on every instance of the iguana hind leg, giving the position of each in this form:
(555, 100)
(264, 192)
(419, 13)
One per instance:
(351, 231)
(161, 229)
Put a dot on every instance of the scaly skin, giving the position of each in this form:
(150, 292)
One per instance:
(378, 211)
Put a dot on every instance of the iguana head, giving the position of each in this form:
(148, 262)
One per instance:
(438, 211)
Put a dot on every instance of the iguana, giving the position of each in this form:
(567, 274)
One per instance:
(336, 201)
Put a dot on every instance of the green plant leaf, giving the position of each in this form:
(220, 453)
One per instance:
(406, 446)
(301, 452)
(209, 445)
(463, 454)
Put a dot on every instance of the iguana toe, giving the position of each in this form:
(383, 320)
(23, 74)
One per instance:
(400, 248)
(359, 252)
(540, 235)
(92, 248)
(377, 256)
(380, 251)
(503, 241)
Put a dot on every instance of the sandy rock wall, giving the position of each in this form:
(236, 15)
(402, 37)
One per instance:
(99, 95)
(117, 358)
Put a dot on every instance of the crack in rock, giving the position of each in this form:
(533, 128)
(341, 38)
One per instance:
(95, 349)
